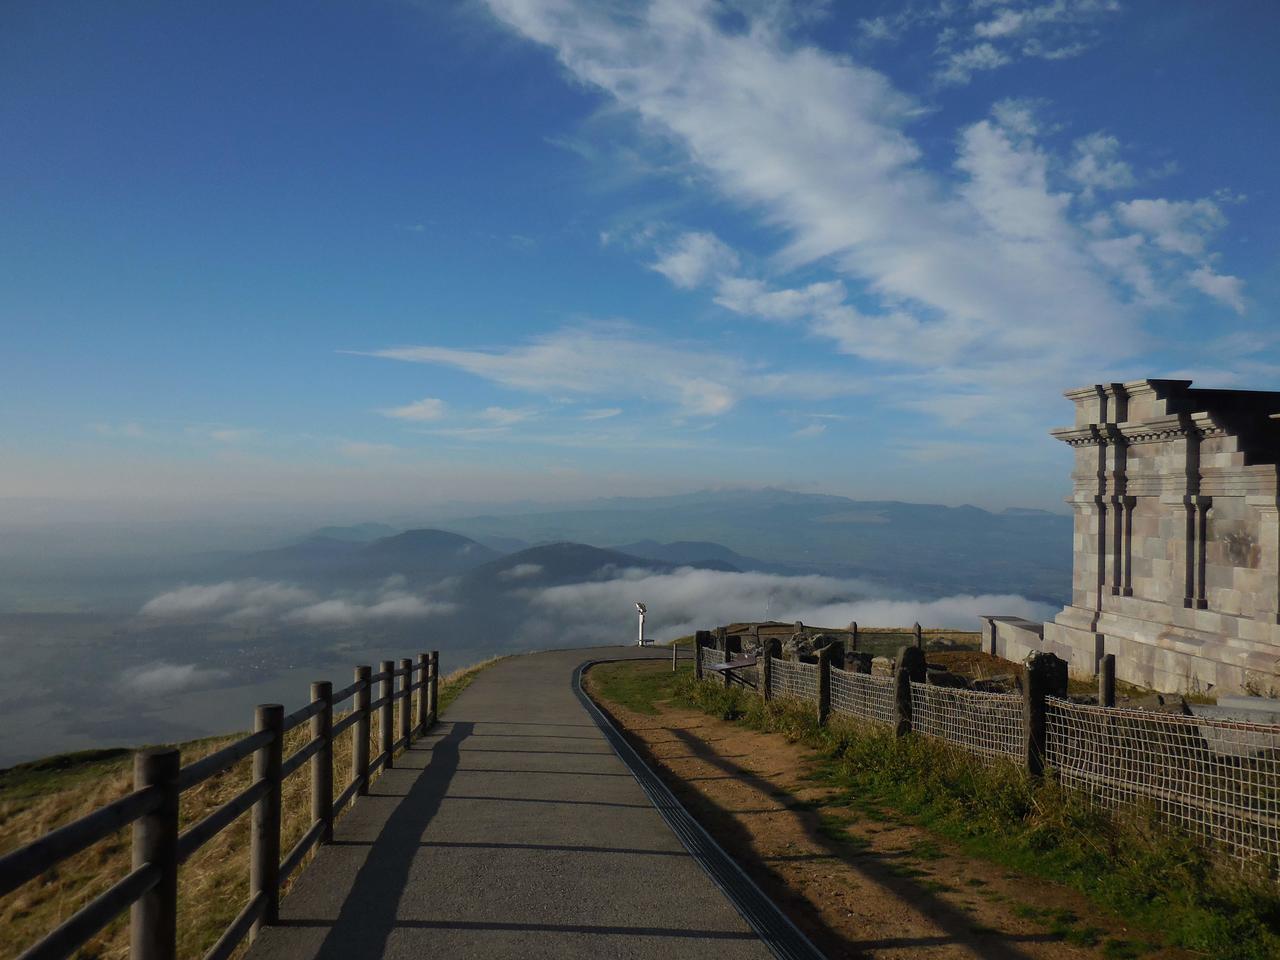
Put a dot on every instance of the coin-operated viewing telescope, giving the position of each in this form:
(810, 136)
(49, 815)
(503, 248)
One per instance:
(642, 610)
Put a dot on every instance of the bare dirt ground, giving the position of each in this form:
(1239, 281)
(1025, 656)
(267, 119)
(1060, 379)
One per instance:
(859, 883)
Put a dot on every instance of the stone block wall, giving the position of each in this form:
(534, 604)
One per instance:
(1177, 539)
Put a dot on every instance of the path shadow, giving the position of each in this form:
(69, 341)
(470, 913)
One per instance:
(956, 925)
(368, 913)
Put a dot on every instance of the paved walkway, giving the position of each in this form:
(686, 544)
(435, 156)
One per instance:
(512, 830)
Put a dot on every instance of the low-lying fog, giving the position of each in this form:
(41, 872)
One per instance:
(194, 660)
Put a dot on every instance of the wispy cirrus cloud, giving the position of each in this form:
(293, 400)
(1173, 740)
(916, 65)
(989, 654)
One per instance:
(428, 409)
(975, 283)
(620, 360)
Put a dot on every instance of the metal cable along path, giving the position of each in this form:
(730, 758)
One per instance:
(783, 938)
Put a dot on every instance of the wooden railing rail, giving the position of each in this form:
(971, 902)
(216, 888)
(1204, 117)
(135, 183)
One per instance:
(150, 889)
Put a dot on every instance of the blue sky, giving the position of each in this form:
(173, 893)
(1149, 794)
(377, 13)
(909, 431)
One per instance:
(395, 254)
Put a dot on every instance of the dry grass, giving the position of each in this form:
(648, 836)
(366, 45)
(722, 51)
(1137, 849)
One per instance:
(213, 885)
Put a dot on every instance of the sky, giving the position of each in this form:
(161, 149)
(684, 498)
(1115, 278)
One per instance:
(384, 254)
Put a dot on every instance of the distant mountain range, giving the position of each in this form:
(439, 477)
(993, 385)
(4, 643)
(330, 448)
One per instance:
(926, 549)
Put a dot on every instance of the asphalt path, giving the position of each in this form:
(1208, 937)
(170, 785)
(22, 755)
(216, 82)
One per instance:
(511, 830)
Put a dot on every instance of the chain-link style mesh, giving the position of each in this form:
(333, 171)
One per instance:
(1218, 779)
(862, 695)
(794, 679)
(710, 657)
(985, 724)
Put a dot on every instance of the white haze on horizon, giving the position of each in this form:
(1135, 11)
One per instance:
(601, 611)
(690, 599)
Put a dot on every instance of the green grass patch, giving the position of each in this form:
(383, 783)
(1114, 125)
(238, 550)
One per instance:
(1130, 863)
(637, 685)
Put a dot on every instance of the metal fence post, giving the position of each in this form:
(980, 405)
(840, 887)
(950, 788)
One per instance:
(732, 647)
(1107, 680)
(264, 839)
(406, 700)
(675, 656)
(360, 733)
(1044, 674)
(424, 674)
(435, 685)
(911, 669)
(153, 921)
(387, 694)
(322, 760)
(824, 684)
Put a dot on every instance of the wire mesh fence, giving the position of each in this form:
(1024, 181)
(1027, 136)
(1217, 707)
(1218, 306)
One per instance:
(862, 696)
(1217, 779)
(711, 656)
(793, 679)
(985, 724)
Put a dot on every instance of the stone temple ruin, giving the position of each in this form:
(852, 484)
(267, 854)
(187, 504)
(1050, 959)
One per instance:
(1177, 540)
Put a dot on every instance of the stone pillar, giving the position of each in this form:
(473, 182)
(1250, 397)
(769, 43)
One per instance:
(910, 669)
(1044, 675)
(770, 648)
(824, 683)
(1107, 680)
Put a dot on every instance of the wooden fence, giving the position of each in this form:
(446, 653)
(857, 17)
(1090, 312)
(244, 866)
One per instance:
(150, 889)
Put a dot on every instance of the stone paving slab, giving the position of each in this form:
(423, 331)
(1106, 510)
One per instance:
(511, 830)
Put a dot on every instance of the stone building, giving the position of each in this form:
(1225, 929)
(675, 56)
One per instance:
(1177, 540)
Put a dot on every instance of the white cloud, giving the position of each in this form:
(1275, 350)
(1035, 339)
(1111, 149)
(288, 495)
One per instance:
(1226, 289)
(617, 359)
(695, 257)
(963, 64)
(162, 679)
(1096, 165)
(687, 599)
(521, 571)
(389, 605)
(1179, 226)
(601, 413)
(424, 410)
(506, 416)
(812, 430)
(252, 601)
(990, 271)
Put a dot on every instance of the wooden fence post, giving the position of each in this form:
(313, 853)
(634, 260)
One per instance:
(1044, 675)
(675, 656)
(911, 669)
(853, 642)
(435, 685)
(919, 636)
(387, 694)
(360, 734)
(322, 760)
(406, 700)
(824, 684)
(1107, 680)
(264, 836)
(424, 682)
(153, 921)
(769, 649)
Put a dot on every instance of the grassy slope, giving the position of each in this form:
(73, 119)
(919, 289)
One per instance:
(213, 886)
(1164, 883)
